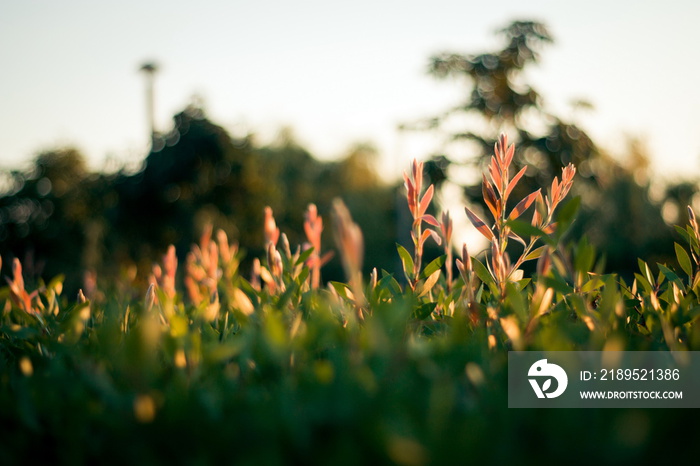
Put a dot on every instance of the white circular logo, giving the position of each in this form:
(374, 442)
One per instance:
(546, 372)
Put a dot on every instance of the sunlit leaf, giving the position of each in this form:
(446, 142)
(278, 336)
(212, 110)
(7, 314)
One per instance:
(406, 261)
(683, 259)
(536, 254)
(434, 265)
(671, 276)
(425, 287)
(523, 205)
(425, 202)
(514, 182)
(490, 198)
(483, 273)
(479, 224)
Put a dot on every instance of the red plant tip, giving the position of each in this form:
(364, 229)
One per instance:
(272, 233)
(274, 259)
(170, 266)
(466, 258)
(417, 170)
(414, 186)
(446, 227)
(17, 274)
(558, 191)
(503, 153)
(206, 236)
(349, 239)
(213, 269)
(224, 247)
(313, 227)
(255, 275)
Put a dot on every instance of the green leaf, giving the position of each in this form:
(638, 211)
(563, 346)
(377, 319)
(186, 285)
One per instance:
(522, 283)
(425, 287)
(644, 282)
(683, 259)
(591, 285)
(644, 268)
(406, 261)
(567, 213)
(303, 275)
(424, 310)
(671, 276)
(585, 256)
(56, 283)
(433, 266)
(536, 254)
(342, 289)
(484, 275)
(389, 283)
(683, 232)
(304, 256)
(521, 228)
(516, 301)
(560, 286)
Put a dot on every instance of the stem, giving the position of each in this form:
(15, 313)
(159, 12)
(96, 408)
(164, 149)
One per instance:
(417, 252)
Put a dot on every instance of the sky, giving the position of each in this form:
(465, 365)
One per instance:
(338, 73)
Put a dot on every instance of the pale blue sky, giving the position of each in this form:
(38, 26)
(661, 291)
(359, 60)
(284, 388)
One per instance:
(337, 72)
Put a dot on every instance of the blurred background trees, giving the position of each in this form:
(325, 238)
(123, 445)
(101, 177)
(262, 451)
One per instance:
(58, 217)
(617, 214)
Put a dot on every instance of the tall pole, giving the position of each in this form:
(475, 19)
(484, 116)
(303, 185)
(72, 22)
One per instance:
(149, 69)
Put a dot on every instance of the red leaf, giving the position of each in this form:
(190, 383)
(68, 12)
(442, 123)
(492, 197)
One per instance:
(509, 155)
(425, 202)
(427, 234)
(495, 174)
(479, 224)
(490, 198)
(429, 219)
(523, 205)
(410, 194)
(514, 181)
(551, 228)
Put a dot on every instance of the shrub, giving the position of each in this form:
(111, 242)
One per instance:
(278, 369)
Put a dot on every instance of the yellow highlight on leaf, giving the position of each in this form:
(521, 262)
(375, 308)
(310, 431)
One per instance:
(144, 408)
(180, 359)
(25, 365)
(324, 372)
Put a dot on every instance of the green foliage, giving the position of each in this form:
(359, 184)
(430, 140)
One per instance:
(286, 374)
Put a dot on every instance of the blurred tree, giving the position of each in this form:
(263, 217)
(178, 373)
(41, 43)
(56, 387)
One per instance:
(59, 214)
(498, 99)
(200, 176)
(44, 216)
